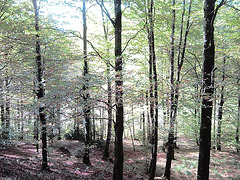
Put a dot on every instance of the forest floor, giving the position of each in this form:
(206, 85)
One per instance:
(20, 161)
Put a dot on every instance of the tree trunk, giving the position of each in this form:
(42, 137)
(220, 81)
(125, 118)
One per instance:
(220, 109)
(133, 124)
(36, 132)
(148, 119)
(102, 120)
(207, 89)
(106, 153)
(118, 162)
(170, 152)
(58, 113)
(93, 125)
(154, 93)
(214, 119)
(2, 114)
(7, 118)
(86, 110)
(40, 90)
(238, 119)
(144, 128)
(22, 121)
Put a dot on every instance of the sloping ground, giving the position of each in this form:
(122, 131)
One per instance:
(224, 165)
(21, 161)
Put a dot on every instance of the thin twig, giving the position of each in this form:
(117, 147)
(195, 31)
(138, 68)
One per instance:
(133, 37)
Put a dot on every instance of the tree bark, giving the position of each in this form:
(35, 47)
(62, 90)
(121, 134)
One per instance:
(36, 132)
(148, 119)
(170, 152)
(238, 119)
(144, 128)
(58, 114)
(154, 89)
(86, 110)
(7, 117)
(207, 89)
(220, 109)
(118, 162)
(40, 90)
(106, 153)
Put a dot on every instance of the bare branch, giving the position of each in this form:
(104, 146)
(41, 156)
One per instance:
(104, 9)
(216, 10)
(231, 6)
(3, 67)
(91, 44)
(133, 37)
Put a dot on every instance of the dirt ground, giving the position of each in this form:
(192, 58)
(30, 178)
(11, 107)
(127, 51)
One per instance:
(21, 161)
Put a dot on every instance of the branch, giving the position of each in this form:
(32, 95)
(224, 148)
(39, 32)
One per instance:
(3, 67)
(231, 6)
(133, 37)
(89, 42)
(216, 10)
(104, 9)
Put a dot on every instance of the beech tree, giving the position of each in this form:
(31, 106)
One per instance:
(153, 89)
(106, 153)
(118, 161)
(220, 108)
(175, 81)
(86, 95)
(117, 24)
(238, 118)
(210, 13)
(40, 90)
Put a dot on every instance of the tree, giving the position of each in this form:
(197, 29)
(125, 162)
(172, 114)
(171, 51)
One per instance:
(109, 92)
(40, 92)
(238, 119)
(170, 154)
(210, 13)
(118, 161)
(153, 90)
(86, 95)
(175, 83)
(220, 108)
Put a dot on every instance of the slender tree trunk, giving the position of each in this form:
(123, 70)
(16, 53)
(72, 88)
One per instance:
(214, 119)
(106, 153)
(144, 128)
(132, 136)
(86, 110)
(220, 109)
(7, 118)
(59, 121)
(36, 131)
(103, 124)
(154, 93)
(133, 124)
(40, 90)
(118, 162)
(148, 119)
(18, 119)
(2, 103)
(93, 124)
(238, 119)
(207, 88)
(22, 121)
(2, 114)
(170, 152)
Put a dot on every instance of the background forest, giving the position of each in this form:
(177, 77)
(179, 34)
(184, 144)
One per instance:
(81, 70)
